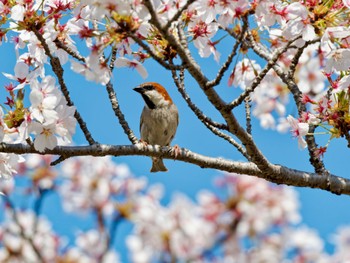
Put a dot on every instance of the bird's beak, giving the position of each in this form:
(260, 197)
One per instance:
(139, 89)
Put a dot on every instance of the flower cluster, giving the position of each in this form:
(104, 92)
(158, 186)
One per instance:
(92, 185)
(189, 231)
(308, 43)
(248, 219)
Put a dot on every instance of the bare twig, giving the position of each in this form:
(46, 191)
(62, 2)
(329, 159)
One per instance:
(70, 51)
(58, 70)
(116, 107)
(178, 14)
(152, 54)
(58, 160)
(200, 115)
(208, 122)
(229, 139)
(247, 115)
(229, 59)
(119, 114)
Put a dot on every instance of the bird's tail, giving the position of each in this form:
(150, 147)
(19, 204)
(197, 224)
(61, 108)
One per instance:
(158, 165)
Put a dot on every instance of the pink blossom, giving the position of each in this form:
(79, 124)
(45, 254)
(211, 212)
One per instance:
(133, 64)
(338, 59)
(346, 3)
(299, 130)
(45, 135)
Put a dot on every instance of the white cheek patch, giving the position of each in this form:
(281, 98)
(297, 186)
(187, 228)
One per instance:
(156, 98)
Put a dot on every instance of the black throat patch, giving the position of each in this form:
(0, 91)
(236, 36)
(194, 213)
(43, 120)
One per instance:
(149, 103)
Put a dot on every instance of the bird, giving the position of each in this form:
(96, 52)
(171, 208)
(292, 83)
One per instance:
(159, 119)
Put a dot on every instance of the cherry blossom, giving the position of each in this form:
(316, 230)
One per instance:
(346, 3)
(101, 182)
(93, 69)
(298, 23)
(134, 64)
(237, 223)
(338, 60)
(45, 135)
(244, 73)
(22, 74)
(22, 231)
(8, 164)
(299, 130)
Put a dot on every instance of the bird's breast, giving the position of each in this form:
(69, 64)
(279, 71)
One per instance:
(158, 126)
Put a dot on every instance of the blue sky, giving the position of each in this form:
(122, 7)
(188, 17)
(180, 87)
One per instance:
(320, 210)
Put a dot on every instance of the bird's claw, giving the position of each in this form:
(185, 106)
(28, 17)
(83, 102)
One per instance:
(176, 150)
(142, 143)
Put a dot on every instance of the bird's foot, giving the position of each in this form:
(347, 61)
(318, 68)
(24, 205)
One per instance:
(176, 150)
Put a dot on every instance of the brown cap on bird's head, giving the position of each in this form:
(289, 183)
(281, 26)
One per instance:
(142, 88)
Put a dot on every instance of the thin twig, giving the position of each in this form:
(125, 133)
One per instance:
(229, 59)
(58, 70)
(178, 14)
(247, 115)
(58, 160)
(208, 122)
(116, 107)
(200, 115)
(150, 52)
(259, 78)
(119, 114)
(70, 51)
(229, 139)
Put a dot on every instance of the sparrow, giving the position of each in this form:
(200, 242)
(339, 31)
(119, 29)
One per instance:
(159, 119)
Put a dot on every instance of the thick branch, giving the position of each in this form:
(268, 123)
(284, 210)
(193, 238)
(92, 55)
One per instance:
(278, 174)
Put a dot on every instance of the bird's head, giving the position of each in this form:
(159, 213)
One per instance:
(154, 95)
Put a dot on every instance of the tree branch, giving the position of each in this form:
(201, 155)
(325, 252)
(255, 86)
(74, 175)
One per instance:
(152, 54)
(119, 114)
(58, 70)
(194, 69)
(288, 79)
(208, 122)
(278, 174)
(229, 59)
(247, 114)
(70, 51)
(200, 115)
(270, 63)
(116, 107)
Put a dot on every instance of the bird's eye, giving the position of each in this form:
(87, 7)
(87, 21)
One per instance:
(148, 87)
